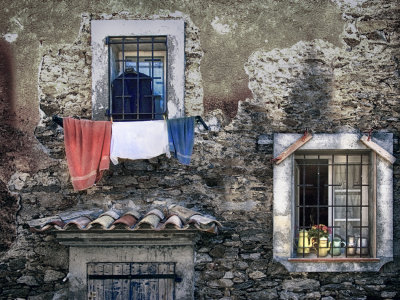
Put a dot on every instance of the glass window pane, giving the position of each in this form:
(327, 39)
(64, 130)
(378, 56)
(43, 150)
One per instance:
(137, 77)
(339, 176)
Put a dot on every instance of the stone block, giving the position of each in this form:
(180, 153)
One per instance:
(285, 295)
(264, 295)
(313, 295)
(203, 258)
(300, 285)
(371, 25)
(228, 275)
(257, 275)
(28, 280)
(225, 283)
(244, 285)
(241, 265)
(218, 251)
(52, 275)
(389, 295)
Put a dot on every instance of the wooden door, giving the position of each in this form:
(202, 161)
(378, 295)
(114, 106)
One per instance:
(131, 281)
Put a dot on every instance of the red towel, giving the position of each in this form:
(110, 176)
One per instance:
(87, 146)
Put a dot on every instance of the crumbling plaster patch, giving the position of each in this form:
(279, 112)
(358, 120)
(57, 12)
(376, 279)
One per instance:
(244, 27)
(222, 28)
(10, 37)
(294, 79)
(65, 77)
(317, 83)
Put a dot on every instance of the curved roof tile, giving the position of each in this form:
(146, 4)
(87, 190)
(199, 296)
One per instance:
(77, 223)
(175, 217)
(149, 221)
(102, 222)
(127, 221)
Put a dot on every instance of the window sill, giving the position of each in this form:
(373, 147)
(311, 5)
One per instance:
(340, 264)
(335, 260)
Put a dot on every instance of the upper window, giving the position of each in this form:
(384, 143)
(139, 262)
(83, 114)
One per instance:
(138, 69)
(137, 72)
(332, 205)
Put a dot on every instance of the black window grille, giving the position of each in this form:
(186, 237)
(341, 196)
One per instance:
(137, 72)
(333, 205)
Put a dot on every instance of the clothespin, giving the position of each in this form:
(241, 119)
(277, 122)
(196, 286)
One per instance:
(305, 135)
(273, 160)
(293, 147)
(369, 134)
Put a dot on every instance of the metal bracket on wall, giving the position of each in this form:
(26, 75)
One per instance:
(58, 120)
(378, 149)
(200, 119)
(293, 147)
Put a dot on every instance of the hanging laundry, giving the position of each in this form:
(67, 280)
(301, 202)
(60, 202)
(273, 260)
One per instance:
(138, 140)
(87, 147)
(181, 138)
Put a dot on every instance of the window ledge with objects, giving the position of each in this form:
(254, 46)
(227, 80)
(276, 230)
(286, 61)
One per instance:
(333, 200)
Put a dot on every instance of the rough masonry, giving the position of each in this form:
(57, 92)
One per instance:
(252, 69)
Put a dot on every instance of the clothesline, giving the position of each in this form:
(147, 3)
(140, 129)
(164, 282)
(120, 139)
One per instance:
(90, 145)
(59, 121)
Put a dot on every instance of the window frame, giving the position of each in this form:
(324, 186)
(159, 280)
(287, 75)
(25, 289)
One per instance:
(175, 32)
(364, 188)
(284, 202)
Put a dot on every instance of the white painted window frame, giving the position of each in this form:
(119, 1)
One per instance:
(175, 32)
(284, 199)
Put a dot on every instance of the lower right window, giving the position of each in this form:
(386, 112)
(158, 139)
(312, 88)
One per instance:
(333, 202)
(334, 207)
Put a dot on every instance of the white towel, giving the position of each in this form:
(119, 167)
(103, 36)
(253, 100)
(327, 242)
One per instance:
(138, 140)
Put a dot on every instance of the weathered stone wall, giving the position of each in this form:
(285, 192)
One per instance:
(273, 66)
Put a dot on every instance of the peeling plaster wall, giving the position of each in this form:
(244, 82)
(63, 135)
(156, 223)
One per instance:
(252, 68)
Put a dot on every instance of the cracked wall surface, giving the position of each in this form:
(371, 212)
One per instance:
(253, 68)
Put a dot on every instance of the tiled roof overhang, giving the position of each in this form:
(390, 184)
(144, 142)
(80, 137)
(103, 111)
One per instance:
(174, 217)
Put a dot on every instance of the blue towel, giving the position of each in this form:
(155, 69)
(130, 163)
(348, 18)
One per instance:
(181, 138)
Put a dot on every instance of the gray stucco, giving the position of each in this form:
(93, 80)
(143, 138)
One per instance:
(252, 69)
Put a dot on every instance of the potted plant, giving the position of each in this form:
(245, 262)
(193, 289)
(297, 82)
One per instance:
(317, 232)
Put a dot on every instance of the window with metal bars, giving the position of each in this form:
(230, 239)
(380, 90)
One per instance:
(333, 205)
(137, 72)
